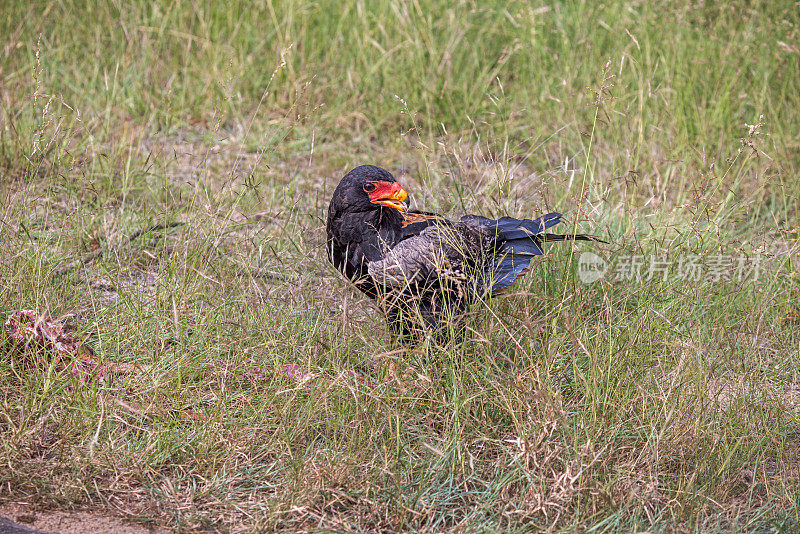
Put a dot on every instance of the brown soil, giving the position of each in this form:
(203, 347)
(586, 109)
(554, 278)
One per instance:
(72, 522)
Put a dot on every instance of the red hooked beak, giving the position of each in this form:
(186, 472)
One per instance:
(389, 194)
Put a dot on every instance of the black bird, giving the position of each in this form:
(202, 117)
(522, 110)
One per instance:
(424, 270)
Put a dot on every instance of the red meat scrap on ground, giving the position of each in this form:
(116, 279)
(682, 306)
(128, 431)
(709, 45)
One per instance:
(33, 327)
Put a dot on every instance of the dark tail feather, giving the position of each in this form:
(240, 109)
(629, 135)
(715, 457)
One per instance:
(519, 241)
(511, 260)
(569, 237)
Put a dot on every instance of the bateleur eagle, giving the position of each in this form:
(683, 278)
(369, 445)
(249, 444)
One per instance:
(425, 270)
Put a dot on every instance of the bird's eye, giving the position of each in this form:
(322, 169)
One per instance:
(369, 187)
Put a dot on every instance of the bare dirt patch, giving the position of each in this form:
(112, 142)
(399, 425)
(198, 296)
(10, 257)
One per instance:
(71, 522)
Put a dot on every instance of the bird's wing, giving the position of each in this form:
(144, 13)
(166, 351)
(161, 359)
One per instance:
(517, 242)
(486, 254)
(438, 252)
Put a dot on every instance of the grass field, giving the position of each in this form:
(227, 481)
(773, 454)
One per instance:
(271, 396)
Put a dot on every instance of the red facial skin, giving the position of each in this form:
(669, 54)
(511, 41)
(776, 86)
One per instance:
(390, 194)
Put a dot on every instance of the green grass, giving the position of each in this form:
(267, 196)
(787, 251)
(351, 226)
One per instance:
(616, 406)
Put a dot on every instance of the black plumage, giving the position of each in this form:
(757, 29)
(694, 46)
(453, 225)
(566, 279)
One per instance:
(425, 270)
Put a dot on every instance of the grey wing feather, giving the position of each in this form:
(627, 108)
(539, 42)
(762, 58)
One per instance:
(412, 261)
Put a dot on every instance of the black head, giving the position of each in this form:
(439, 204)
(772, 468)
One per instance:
(368, 189)
(365, 217)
